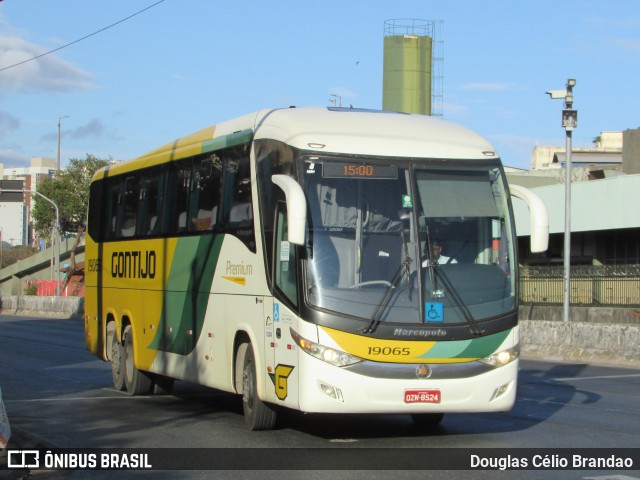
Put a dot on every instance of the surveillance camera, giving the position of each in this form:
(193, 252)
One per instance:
(555, 94)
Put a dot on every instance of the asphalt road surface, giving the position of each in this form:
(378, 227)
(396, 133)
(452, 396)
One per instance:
(57, 395)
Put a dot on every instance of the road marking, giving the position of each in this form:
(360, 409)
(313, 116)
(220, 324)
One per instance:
(599, 377)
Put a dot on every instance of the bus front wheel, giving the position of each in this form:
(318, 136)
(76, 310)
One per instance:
(258, 415)
(136, 381)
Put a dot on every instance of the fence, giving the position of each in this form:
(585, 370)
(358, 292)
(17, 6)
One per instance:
(597, 285)
(47, 288)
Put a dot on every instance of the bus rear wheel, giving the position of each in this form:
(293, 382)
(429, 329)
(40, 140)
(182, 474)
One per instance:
(116, 357)
(136, 381)
(258, 415)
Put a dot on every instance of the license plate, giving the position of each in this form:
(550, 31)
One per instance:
(422, 396)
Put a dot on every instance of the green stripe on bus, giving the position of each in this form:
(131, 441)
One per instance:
(475, 348)
(187, 293)
(484, 346)
(225, 141)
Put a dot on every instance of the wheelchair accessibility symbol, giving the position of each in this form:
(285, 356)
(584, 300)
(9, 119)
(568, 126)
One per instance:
(434, 312)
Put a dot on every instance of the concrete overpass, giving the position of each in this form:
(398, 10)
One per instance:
(37, 267)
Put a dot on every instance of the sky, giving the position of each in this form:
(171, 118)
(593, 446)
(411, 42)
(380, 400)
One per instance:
(182, 65)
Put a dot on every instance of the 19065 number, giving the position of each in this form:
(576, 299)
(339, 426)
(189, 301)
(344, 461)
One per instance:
(386, 351)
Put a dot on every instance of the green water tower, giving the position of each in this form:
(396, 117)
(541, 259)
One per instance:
(412, 77)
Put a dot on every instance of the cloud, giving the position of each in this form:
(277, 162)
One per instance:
(95, 128)
(46, 74)
(7, 123)
(11, 158)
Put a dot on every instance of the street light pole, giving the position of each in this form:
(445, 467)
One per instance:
(59, 124)
(569, 122)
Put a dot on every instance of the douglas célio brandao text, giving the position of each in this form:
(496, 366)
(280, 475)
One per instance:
(550, 461)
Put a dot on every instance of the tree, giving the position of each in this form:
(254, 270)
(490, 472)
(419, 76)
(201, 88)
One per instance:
(70, 191)
(12, 255)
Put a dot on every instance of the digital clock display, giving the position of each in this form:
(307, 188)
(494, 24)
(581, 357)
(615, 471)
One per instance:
(359, 170)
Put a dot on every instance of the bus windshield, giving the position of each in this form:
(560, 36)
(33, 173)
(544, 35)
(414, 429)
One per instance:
(409, 242)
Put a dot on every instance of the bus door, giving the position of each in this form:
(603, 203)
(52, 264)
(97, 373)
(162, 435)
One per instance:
(279, 318)
(281, 354)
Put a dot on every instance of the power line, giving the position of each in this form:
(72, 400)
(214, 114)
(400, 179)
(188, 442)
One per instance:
(81, 39)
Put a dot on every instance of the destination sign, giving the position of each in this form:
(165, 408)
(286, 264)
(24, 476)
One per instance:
(359, 170)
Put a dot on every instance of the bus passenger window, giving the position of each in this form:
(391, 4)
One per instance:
(178, 198)
(205, 195)
(131, 200)
(150, 204)
(112, 207)
(237, 210)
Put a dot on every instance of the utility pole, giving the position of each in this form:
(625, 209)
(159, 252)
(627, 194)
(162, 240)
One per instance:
(59, 124)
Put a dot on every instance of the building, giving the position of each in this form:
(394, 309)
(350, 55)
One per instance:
(13, 224)
(16, 221)
(607, 151)
(605, 225)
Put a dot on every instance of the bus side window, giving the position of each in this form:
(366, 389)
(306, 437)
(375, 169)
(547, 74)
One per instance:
(205, 193)
(150, 203)
(177, 201)
(110, 218)
(95, 216)
(237, 210)
(272, 158)
(285, 257)
(131, 201)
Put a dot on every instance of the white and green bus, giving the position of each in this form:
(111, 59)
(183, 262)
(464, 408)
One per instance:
(295, 257)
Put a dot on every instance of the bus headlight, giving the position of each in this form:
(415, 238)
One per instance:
(326, 354)
(502, 358)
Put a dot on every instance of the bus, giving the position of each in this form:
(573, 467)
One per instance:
(290, 256)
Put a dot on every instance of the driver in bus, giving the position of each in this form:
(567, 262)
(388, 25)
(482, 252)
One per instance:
(436, 255)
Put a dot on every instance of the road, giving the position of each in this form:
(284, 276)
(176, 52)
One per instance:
(57, 395)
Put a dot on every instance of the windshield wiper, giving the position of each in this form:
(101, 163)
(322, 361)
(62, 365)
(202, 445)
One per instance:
(407, 262)
(436, 271)
(384, 302)
(475, 327)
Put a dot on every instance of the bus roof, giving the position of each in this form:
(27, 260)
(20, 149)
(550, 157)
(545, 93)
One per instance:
(370, 132)
(331, 130)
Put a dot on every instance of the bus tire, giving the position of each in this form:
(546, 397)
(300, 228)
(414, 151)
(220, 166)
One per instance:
(427, 419)
(115, 351)
(258, 415)
(136, 381)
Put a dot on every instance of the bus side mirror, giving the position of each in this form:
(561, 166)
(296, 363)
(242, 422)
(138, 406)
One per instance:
(539, 218)
(296, 207)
